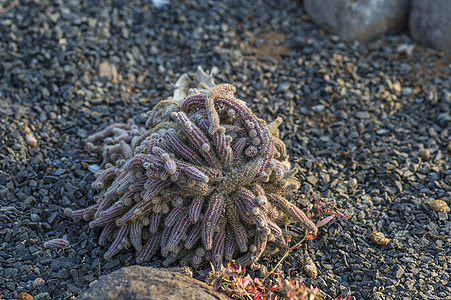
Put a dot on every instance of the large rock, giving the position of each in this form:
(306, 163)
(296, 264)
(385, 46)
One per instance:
(137, 282)
(430, 23)
(361, 20)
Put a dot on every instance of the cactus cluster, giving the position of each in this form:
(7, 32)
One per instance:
(203, 181)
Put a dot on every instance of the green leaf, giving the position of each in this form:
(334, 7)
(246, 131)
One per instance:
(217, 283)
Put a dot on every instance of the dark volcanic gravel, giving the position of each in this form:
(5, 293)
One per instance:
(369, 126)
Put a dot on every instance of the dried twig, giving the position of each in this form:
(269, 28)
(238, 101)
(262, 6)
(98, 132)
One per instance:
(289, 250)
(435, 236)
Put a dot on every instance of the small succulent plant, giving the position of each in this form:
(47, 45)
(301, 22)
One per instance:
(234, 282)
(203, 181)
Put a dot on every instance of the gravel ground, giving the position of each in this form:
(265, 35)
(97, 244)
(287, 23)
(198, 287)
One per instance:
(369, 126)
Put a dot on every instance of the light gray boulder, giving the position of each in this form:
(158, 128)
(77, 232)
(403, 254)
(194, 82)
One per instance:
(361, 20)
(430, 23)
(139, 283)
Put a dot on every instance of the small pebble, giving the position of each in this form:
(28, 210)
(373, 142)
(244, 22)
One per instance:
(424, 154)
(35, 217)
(309, 266)
(38, 281)
(379, 239)
(439, 206)
(29, 136)
(94, 168)
(24, 296)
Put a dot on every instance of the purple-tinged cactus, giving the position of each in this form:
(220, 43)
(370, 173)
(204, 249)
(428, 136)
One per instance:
(193, 235)
(212, 215)
(229, 245)
(119, 242)
(82, 214)
(154, 222)
(136, 234)
(107, 233)
(179, 231)
(174, 216)
(203, 181)
(195, 208)
(238, 228)
(149, 249)
(184, 151)
(292, 211)
(107, 132)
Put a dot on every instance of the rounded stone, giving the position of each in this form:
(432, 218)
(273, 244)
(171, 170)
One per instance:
(430, 23)
(361, 20)
(24, 296)
(439, 206)
(424, 154)
(137, 282)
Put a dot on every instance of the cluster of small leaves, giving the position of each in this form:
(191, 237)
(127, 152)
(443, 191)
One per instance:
(327, 212)
(234, 282)
(295, 290)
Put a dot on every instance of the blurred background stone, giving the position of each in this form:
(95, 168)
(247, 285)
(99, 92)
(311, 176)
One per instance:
(430, 23)
(361, 20)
